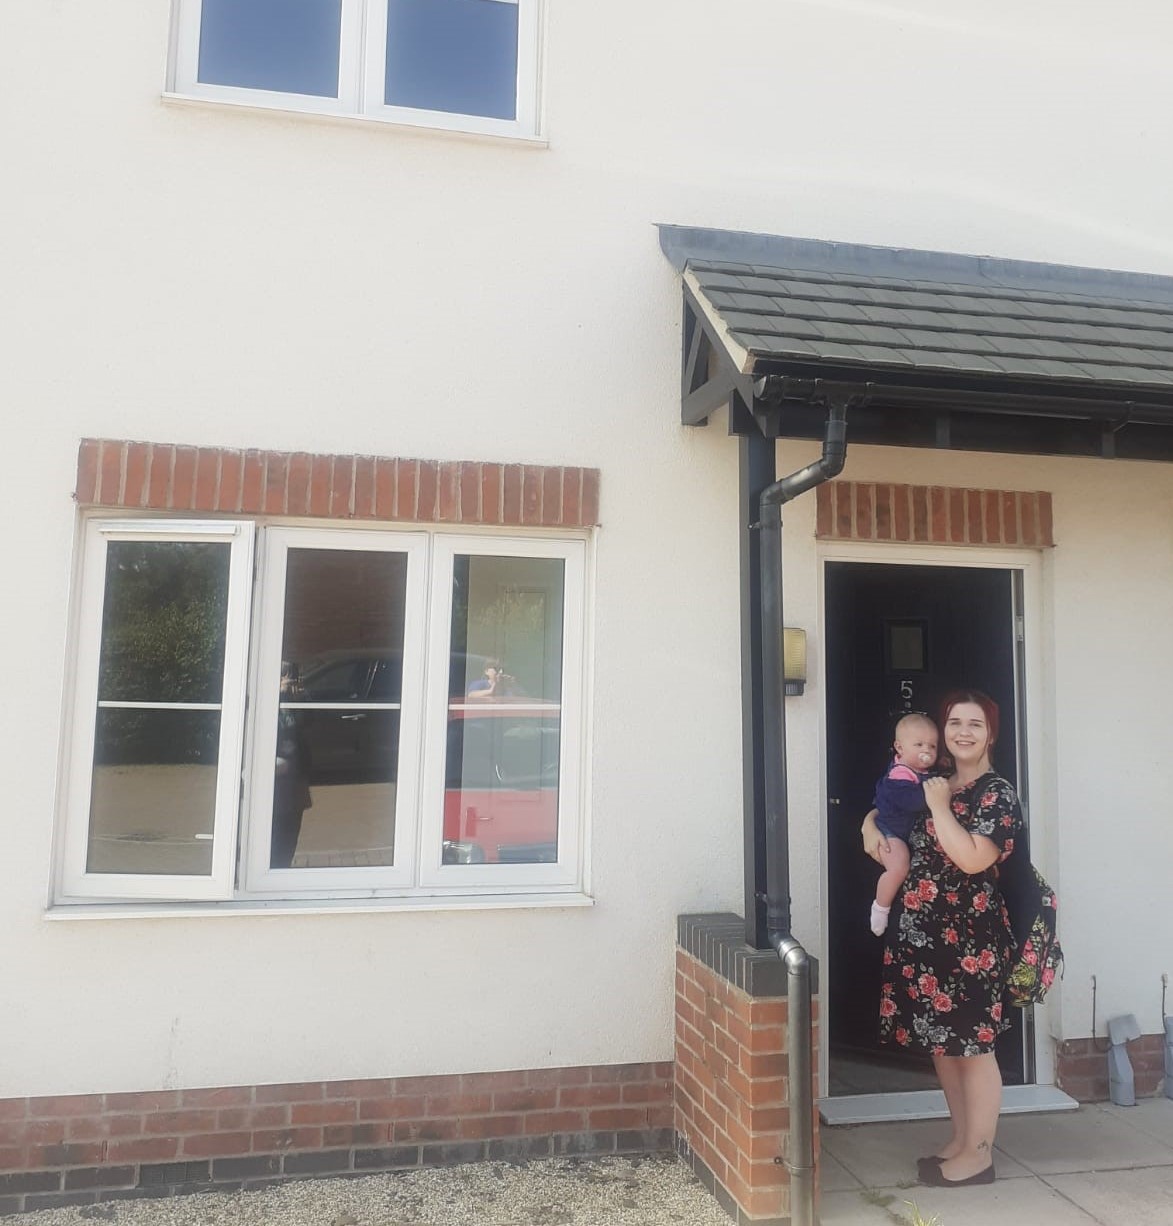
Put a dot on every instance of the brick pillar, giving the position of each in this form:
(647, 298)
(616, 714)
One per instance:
(732, 1089)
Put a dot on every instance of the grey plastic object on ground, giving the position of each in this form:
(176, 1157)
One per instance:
(1121, 1082)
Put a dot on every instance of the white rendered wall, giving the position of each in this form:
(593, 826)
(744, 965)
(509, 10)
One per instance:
(185, 273)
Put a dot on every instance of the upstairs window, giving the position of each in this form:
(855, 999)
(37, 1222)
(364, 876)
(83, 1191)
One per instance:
(468, 65)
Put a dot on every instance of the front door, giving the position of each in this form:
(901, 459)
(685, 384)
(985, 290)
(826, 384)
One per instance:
(897, 639)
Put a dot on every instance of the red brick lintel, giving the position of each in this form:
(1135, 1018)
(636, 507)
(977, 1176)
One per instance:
(169, 477)
(933, 514)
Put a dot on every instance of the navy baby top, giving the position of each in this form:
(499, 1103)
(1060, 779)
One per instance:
(899, 802)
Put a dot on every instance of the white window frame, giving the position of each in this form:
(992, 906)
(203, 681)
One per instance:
(361, 72)
(257, 876)
(77, 881)
(458, 878)
(251, 696)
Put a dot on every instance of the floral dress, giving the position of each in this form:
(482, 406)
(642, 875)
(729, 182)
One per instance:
(944, 974)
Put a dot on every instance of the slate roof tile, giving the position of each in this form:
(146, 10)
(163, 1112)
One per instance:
(855, 319)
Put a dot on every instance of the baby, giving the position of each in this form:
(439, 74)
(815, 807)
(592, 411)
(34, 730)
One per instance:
(899, 801)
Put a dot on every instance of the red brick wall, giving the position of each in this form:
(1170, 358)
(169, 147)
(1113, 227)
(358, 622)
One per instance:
(731, 1086)
(1081, 1067)
(932, 514)
(78, 1149)
(165, 477)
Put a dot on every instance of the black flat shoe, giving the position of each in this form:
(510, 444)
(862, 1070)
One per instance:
(933, 1177)
(931, 1163)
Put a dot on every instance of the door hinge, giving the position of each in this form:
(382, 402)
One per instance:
(1019, 627)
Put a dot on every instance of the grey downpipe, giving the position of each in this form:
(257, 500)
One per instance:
(800, 1155)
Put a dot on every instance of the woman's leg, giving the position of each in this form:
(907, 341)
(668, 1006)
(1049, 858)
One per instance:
(981, 1101)
(949, 1075)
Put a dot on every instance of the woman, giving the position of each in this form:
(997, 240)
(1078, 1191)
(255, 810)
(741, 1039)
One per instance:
(945, 966)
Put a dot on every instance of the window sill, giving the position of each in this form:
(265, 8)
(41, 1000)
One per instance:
(421, 129)
(312, 906)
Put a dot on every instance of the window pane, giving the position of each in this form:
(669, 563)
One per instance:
(343, 619)
(290, 46)
(336, 771)
(338, 811)
(504, 725)
(906, 647)
(458, 56)
(164, 621)
(501, 789)
(153, 801)
(507, 629)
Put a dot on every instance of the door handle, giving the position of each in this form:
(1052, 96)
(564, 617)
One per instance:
(349, 719)
(832, 800)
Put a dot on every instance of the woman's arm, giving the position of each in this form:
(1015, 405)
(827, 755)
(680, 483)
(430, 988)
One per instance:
(972, 853)
(873, 840)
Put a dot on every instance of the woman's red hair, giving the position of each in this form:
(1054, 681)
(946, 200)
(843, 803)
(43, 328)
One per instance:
(988, 705)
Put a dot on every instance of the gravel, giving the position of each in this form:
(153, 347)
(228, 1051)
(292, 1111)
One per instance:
(656, 1190)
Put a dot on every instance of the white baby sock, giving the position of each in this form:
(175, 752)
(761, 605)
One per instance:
(879, 919)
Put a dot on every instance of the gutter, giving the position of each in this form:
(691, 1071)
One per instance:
(799, 1159)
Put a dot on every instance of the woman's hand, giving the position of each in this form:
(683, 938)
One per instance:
(873, 841)
(938, 794)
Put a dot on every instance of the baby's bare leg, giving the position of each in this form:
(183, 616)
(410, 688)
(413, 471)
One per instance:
(895, 861)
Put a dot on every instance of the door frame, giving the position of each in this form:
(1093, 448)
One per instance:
(1036, 763)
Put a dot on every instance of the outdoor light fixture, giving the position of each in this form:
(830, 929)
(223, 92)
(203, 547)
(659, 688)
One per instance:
(794, 660)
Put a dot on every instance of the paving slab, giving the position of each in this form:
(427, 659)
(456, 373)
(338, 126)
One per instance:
(880, 1155)
(864, 1208)
(1012, 1203)
(1090, 1139)
(1153, 1116)
(833, 1175)
(883, 1155)
(1121, 1198)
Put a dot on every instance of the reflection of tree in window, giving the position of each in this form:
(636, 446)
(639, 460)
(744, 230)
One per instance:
(509, 609)
(163, 634)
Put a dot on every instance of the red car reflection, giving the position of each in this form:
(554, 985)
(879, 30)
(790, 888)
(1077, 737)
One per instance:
(501, 785)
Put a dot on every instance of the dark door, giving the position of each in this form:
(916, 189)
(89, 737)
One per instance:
(898, 638)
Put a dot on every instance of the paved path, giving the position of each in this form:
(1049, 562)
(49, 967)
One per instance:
(1098, 1166)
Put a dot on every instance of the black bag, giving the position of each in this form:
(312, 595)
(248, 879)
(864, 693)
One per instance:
(1031, 905)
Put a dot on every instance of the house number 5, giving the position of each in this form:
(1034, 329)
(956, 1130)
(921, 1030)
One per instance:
(906, 694)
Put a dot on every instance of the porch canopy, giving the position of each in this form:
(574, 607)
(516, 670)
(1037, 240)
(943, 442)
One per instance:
(958, 351)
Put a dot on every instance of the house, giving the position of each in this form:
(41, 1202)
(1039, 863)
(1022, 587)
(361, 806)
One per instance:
(375, 684)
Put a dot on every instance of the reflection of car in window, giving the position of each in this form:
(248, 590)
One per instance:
(358, 742)
(502, 757)
(349, 677)
(374, 675)
(501, 785)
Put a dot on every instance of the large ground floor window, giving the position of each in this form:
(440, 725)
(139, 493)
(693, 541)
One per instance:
(267, 711)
